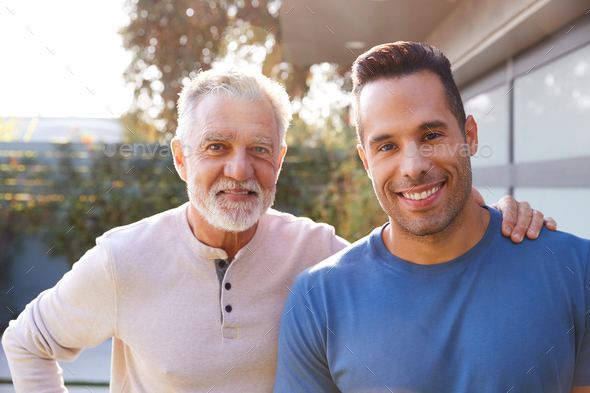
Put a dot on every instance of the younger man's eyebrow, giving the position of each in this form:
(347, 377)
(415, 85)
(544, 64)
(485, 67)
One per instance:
(380, 138)
(432, 124)
(423, 127)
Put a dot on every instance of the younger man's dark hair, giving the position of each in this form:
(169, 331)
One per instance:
(403, 58)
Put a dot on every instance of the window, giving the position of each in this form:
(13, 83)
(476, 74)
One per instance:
(570, 217)
(490, 111)
(552, 110)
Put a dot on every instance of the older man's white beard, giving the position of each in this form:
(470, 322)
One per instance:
(233, 216)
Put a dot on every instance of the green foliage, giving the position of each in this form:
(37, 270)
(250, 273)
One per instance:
(327, 182)
(18, 214)
(116, 191)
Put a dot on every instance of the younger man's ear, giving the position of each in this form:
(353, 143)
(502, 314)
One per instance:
(363, 157)
(471, 136)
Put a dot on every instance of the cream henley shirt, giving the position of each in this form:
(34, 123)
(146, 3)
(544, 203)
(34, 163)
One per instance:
(154, 288)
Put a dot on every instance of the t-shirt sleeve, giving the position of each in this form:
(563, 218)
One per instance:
(582, 371)
(79, 312)
(302, 364)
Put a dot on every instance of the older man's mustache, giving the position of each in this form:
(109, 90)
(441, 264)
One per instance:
(250, 185)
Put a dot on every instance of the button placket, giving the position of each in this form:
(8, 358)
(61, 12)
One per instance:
(229, 308)
(227, 304)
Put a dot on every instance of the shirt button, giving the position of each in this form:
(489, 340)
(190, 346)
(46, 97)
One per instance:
(222, 264)
(227, 285)
(228, 308)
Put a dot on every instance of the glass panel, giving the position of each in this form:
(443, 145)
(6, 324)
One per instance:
(572, 217)
(490, 111)
(552, 110)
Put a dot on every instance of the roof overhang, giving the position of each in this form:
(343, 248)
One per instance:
(338, 31)
(476, 35)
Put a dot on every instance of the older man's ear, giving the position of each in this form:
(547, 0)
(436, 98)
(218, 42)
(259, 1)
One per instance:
(280, 163)
(179, 158)
(518, 218)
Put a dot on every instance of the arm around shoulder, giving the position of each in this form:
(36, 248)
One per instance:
(79, 312)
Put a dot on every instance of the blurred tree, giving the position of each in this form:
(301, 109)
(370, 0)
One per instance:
(171, 41)
(127, 187)
(324, 179)
(70, 207)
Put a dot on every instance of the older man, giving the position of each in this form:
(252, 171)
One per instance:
(192, 296)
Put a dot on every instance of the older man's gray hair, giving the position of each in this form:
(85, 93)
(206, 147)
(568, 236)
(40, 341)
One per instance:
(233, 84)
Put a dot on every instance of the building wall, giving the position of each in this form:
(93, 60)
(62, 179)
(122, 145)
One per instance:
(34, 269)
(60, 130)
(473, 22)
(534, 112)
(478, 35)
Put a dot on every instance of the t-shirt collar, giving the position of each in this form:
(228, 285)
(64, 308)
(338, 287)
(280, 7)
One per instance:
(376, 241)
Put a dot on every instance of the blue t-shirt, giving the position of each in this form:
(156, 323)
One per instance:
(502, 317)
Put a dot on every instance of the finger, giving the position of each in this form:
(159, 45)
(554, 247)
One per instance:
(523, 222)
(550, 223)
(509, 209)
(536, 225)
(478, 197)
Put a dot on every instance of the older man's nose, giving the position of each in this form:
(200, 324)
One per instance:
(238, 166)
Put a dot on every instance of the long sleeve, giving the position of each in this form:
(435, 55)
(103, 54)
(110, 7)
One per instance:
(79, 312)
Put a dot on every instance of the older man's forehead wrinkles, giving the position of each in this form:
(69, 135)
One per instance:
(214, 137)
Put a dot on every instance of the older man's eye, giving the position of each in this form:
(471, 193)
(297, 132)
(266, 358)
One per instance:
(215, 146)
(259, 149)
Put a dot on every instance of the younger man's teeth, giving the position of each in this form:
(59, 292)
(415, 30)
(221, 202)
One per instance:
(423, 195)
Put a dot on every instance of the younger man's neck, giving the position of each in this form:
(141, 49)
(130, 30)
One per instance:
(462, 234)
